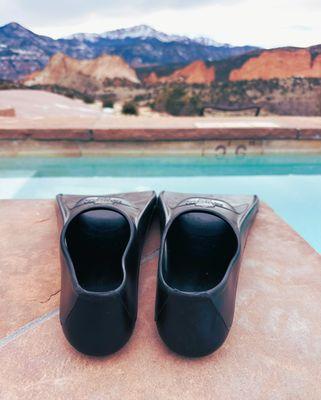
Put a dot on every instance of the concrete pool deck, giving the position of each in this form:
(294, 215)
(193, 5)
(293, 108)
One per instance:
(101, 134)
(273, 350)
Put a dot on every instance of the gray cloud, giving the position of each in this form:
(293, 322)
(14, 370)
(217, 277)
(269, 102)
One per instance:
(41, 12)
(302, 28)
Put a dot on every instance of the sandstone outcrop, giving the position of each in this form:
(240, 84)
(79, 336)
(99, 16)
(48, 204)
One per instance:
(83, 75)
(279, 63)
(194, 73)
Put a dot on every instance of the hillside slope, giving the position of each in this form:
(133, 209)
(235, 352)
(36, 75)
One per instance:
(194, 73)
(83, 75)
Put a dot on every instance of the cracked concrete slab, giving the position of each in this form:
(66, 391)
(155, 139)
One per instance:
(29, 261)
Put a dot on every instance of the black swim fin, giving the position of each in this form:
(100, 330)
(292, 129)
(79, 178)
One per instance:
(202, 242)
(101, 242)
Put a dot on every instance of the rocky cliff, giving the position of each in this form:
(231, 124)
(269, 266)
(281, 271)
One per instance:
(194, 73)
(279, 63)
(83, 75)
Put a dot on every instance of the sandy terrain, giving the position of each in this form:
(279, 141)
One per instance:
(39, 104)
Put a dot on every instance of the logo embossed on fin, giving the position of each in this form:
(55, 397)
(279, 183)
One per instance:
(103, 200)
(205, 202)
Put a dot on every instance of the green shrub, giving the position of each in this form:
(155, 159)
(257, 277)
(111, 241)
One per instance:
(108, 100)
(140, 97)
(195, 105)
(107, 103)
(178, 101)
(88, 99)
(130, 108)
(175, 100)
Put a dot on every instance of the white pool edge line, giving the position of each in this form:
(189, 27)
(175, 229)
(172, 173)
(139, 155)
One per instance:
(236, 124)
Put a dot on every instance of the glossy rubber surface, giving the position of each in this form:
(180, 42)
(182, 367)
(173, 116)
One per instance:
(96, 241)
(101, 243)
(202, 243)
(200, 247)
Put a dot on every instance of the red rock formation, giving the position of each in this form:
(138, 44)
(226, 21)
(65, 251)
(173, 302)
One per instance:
(279, 64)
(151, 79)
(196, 72)
(7, 112)
(82, 74)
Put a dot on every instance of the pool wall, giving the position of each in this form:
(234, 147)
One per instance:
(77, 148)
(160, 136)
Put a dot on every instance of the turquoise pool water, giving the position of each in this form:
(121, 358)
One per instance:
(289, 184)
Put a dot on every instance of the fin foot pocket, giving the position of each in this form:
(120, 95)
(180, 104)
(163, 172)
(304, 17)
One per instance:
(200, 247)
(96, 241)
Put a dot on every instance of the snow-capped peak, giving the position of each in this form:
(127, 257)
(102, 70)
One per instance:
(147, 32)
(89, 37)
(206, 41)
(143, 32)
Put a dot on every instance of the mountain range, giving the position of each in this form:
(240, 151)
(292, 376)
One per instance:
(143, 65)
(23, 51)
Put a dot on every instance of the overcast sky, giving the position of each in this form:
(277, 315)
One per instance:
(267, 23)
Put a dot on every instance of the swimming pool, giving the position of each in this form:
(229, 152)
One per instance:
(289, 184)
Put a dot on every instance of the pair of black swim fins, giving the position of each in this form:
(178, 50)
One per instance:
(203, 237)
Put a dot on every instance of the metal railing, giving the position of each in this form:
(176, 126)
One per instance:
(256, 109)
